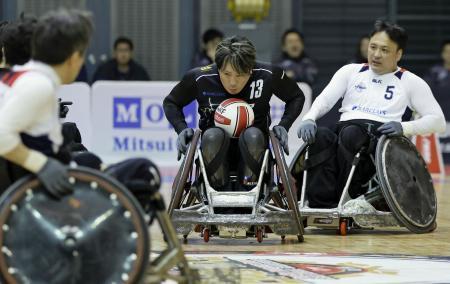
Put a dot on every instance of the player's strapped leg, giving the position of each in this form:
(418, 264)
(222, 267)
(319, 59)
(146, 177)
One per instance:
(353, 138)
(321, 190)
(214, 145)
(252, 144)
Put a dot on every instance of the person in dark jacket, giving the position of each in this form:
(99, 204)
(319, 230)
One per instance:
(298, 66)
(122, 67)
(211, 39)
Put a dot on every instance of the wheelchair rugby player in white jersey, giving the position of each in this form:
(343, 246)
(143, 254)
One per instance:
(365, 172)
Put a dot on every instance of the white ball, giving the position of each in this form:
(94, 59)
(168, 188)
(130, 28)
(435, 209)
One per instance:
(233, 116)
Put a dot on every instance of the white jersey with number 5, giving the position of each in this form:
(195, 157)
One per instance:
(382, 98)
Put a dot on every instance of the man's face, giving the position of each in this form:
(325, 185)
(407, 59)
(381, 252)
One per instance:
(446, 54)
(383, 54)
(123, 53)
(232, 81)
(293, 45)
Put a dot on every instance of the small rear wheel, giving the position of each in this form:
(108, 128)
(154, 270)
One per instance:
(206, 235)
(300, 238)
(259, 235)
(343, 227)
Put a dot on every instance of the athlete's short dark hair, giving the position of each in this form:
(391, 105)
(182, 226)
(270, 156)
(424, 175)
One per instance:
(123, 39)
(16, 40)
(58, 34)
(237, 51)
(396, 33)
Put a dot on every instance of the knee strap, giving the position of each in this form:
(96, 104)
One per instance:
(215, 163)
(348, 155)
(318, 158)
(253, 164)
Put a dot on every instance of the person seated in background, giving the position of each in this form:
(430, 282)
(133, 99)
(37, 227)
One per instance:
(121, 67)
(294, 61)
(375, 96)
(361, 50)
(211, 39)
(438, 77)
(3, 66)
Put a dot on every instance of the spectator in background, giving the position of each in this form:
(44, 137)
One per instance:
(294, 61)
(83, 75)
(438, 77)
(3, 68)
(211, 39)
(122, 67)
(361, 50)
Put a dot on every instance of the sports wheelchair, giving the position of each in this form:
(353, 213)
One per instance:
(97, 234)
(400, 193)
(271, 206)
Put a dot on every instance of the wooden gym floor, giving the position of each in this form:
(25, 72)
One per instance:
(393, 241)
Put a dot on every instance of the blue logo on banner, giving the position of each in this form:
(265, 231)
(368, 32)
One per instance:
(147, 113)
(190, 114)
(127, 112)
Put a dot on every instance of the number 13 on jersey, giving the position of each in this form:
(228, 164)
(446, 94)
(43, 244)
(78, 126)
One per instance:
(257, 88)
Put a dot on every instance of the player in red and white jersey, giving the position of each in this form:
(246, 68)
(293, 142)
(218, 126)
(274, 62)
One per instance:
(30, 130)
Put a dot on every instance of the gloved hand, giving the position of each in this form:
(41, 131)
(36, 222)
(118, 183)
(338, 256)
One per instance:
(53, 176)
(183, 140)
(307, 131)
(63, 108)
(282, 135)
(391, 128)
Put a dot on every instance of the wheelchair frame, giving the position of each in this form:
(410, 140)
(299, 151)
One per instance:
(154, 271)
(350, 213)
(273, 206)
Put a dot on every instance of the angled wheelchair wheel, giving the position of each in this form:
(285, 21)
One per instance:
(180, 180)
(406, 184)
(95, 235)
(288, 183)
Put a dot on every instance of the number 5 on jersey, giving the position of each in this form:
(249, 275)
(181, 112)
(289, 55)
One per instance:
(389, 92)
(257, 87)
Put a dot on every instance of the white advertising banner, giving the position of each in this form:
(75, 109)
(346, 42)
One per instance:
(80, 111)
(128, 121)
(276, 112)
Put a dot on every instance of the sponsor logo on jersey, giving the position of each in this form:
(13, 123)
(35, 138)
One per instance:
(146, 113)
(376, 81)
(206, 68)
(213, 94)
(370, 110)
(360, 87)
